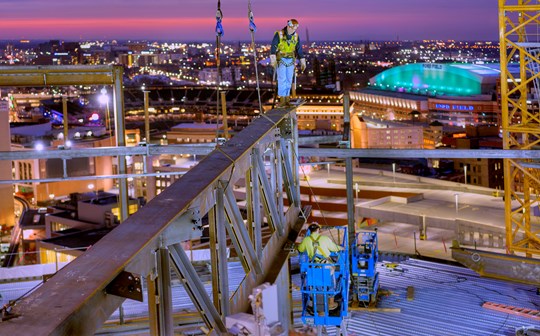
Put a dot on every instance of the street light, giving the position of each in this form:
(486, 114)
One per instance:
(91, 187)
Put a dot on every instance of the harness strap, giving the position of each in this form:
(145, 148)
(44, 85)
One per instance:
(316, 247)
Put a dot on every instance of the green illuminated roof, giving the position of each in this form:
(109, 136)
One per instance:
(437, 79)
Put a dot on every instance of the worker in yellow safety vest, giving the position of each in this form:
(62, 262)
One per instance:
(286, 48)
(318, 248)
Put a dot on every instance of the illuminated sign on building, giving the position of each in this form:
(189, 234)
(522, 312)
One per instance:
(432, 66)
(455, 107)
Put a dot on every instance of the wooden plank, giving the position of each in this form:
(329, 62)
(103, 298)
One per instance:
(410, 293)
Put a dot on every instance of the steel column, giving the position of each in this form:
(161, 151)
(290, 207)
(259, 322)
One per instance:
(221, 262)
(120, 129)
(351, 206)
(255, 203)
(165, 317)
(278, 162)
(66, 122)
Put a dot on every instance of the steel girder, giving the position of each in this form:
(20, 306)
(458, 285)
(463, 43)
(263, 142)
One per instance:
(74, 301)
(57, 75)
(518, 24)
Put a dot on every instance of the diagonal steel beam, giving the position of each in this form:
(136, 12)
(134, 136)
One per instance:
(220, 257)
(239, 234)
(268, 196)
(255, 204)
(195, 288)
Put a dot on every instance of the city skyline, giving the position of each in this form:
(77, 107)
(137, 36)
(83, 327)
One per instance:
(194, 20)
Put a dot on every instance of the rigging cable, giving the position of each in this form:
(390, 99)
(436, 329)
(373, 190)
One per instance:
(253, 29)
(219, 34)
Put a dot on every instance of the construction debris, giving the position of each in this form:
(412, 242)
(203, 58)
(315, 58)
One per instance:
(410, 293)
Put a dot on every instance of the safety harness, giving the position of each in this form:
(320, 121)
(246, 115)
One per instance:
(286, 48)
(316, 248)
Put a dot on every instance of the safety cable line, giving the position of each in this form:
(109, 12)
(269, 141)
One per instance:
(219, 33)
(6, 309)
(253, 29)
(296, 158)
(295, 155)
(219, 149)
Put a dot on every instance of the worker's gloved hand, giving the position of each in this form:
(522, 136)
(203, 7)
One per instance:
(273, 61)
(302, 64)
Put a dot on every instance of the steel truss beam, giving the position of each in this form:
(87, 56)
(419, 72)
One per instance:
(170, 218)
(518, 22)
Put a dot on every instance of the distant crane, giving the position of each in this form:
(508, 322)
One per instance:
(519, 40)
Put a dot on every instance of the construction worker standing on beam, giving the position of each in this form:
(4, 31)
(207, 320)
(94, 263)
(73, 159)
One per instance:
(286, 48)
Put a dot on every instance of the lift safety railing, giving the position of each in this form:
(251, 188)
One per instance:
(82, 296)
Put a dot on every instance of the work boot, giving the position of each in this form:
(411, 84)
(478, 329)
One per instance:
(288, 101)
(332, 304)
(282, 102)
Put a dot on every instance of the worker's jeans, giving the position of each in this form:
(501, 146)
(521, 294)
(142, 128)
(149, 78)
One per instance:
(285, 73)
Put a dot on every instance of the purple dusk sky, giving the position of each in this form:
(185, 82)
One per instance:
(189, 20)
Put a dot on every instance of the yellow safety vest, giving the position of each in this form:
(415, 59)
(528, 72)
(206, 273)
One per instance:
(286, 48)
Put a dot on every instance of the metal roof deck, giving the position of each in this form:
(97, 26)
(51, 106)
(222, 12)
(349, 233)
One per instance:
(447, 301)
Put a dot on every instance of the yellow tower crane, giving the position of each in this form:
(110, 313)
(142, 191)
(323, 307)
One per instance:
(519, 34)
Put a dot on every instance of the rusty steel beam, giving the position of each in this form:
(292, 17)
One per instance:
(58, 75)
(74, 302)
(497, 265)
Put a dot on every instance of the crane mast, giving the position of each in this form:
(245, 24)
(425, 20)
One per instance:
(519, 34)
